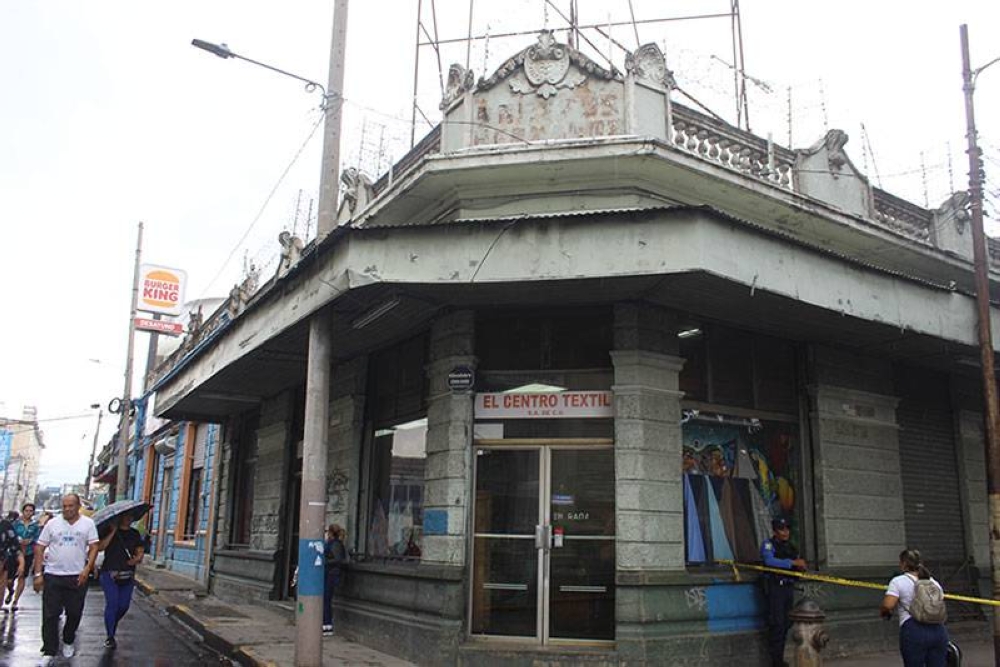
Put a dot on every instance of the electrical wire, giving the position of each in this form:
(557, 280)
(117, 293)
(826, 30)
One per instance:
(263, 207)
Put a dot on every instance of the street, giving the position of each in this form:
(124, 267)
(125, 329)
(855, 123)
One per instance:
(145, 636)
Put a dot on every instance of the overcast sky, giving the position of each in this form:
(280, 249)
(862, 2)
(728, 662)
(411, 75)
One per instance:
(109, 117)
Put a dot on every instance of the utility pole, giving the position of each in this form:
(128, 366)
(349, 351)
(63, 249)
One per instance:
(121, 487)
(312, 504)
(991, 416)
(93, 449)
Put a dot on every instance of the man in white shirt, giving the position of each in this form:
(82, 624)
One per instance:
(67, 547)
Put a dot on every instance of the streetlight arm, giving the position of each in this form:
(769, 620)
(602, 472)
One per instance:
(224, 51)
(976, 72)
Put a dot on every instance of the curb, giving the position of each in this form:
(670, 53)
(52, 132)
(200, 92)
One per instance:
(183, 614)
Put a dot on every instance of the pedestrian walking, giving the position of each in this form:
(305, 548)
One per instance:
(918, 600)
(779, 553)
(123, 550)
(27, 530)
(11, 557)
(64, 556)
(335, 557)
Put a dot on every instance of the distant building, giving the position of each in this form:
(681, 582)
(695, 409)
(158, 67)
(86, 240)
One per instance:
(19, 480)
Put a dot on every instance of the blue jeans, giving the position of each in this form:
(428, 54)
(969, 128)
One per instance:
(923, 644)
(330, 582)
(117, 598)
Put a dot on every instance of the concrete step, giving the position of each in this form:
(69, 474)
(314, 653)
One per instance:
(504, 654)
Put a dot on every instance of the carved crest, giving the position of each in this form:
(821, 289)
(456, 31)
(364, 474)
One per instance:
(545, 68)
(648, 64)
(460, 81)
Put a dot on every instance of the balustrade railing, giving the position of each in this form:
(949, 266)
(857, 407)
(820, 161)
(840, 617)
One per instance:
(729, 146)
(902, 216)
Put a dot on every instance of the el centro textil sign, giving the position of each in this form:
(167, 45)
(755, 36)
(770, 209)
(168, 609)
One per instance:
(545, 405)
(161, 289)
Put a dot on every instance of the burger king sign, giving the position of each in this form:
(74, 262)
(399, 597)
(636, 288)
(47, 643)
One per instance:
(161, 290)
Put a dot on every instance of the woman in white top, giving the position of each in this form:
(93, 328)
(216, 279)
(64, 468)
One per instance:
(921, 644)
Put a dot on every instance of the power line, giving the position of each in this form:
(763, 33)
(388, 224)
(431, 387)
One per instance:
(263, 207)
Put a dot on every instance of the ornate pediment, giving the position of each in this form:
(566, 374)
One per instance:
(648, 65)
(546, 67)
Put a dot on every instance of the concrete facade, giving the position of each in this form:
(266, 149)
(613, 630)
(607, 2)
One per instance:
(552, 191)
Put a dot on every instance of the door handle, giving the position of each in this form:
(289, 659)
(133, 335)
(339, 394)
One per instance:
(543, 537)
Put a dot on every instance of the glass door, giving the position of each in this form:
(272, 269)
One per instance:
(581, 590)
(544, 544)
(506, 556)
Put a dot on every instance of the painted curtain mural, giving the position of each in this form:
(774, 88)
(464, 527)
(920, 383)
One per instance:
(738, 475)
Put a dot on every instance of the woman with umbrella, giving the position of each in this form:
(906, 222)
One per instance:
(123, 550)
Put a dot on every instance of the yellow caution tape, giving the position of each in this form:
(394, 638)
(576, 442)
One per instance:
(840, 581)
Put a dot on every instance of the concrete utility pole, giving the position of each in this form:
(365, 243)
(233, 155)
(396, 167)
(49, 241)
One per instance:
(312, 504)
(992, 410)
(121, 487)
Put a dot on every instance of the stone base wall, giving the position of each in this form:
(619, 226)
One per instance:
(416, 613)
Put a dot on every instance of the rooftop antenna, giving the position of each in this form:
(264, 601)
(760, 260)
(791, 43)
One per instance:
(739, 69)
(635, 28)
(298, 209)
(864, 134)
(309, 217)
(951, 172)
(789, 144)
(574, 21)
(923, 179)
(822, 106)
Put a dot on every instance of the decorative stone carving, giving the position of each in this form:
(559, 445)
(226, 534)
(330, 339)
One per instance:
(358, 191)
(835, 140)
(460, 81)
(545, 68)
(291, 251)
(194, 321)
(649, 65)
(956, 209)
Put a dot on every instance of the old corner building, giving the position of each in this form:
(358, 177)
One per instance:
(587, 343)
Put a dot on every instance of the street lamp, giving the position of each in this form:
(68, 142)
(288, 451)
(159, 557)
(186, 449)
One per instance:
(93, 449)
(981, 265)
(223, 51)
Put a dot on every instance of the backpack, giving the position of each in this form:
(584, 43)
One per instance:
(928, 603)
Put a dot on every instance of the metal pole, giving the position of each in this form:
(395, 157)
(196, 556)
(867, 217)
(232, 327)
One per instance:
(93, 454)
(991, 417)
(416, 75)
(123, 424)
(312, 503)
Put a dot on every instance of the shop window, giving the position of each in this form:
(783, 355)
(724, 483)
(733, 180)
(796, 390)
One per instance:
(395, 526)
(530, 340)
(397, 453)
(739, 474)
(732, 368)
(244, 470)
(192, 484)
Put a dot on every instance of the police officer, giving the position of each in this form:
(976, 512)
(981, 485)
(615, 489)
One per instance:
(779, 553)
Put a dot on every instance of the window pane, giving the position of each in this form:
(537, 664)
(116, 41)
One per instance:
(739, 474)
(395, 527)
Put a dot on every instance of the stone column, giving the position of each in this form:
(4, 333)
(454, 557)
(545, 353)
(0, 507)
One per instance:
(856, 467)
(347, 418)
(972, 481)
(649, 506)
(270, 479)
(447, 475)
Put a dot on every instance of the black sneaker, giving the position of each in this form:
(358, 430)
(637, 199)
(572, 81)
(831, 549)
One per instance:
(110, 643)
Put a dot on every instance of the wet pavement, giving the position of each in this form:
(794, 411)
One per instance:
(146, 636)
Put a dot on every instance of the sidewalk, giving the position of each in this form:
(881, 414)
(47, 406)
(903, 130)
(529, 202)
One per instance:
(257, 635)
(974, 654)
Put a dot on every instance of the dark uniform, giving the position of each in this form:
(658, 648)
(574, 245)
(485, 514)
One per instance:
(779, 591)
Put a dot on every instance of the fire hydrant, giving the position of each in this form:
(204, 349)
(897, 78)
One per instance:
(808, 633)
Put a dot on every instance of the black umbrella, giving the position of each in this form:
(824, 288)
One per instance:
(104, 517)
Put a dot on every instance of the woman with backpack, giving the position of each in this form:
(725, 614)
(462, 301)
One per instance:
(919, 602)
